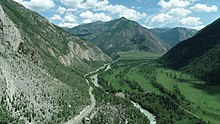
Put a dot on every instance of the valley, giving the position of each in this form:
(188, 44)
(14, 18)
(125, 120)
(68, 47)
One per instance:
(98, 62)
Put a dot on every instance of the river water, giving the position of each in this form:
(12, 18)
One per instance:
(150, 116)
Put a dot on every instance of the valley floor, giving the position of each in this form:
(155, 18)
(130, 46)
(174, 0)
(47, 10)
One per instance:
(172, 96)
(169, 96)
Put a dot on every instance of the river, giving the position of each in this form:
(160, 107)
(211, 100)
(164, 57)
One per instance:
(150, 116)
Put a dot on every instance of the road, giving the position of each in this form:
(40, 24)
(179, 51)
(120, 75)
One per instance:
(86, 111)
(189, 112)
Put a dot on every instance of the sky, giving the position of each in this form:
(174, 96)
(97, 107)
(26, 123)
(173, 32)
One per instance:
(194, 14)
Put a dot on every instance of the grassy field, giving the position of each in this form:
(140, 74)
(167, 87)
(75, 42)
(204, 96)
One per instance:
(206, 98)
(130, 74)
(133, 75)
(137, 55)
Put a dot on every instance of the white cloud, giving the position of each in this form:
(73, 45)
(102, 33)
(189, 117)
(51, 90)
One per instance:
(190, 21)
(56, 18)
(198, 27)
(161, 18)
(103, 5)
(69, 25)
(80, 4)
(38, 5)
(179, 12)
(148, 27)
(72, 3)
(69, 20)
(123, 11)
(88, 17)
(204, 8)
(95, 3)
(69, 17)
(174, 4)
(62, 10)
(176, 12)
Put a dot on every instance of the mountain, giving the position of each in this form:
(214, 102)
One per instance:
(158, 31)
(175, 35)
(42, 68)
(119, 35)
(198, 55)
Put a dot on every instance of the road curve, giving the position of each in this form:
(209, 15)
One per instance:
(86, 111)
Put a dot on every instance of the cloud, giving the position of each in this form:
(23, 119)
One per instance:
(80, 4)
(95, 3)
(174, 4)
(69, 20)
(123, 11)
(148, 27)
(62, 10)
(38, 5)
(56, 18)
(204, 8)
(72, 3)
(179, 12)
(198, 27)
(69, 17)
(66, 24)
(190, 21)
(88, 17)
(103, 5)
(161, 18)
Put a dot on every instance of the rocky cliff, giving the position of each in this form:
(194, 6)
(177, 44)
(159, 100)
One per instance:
(41, 68)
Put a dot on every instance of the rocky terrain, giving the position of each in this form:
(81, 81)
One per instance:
(41, 68)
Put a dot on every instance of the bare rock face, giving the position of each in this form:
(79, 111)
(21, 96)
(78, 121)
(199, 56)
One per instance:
(41, 68)
(10, 36)
(83, 52)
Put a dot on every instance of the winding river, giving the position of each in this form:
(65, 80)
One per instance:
(150, 116)
(86, 111)
(94, 79)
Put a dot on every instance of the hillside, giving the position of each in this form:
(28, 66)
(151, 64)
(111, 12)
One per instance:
(175, 35)
(41, 68)
(198, 55)
(120, 35)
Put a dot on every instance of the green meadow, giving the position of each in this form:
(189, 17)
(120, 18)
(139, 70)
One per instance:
(203, 100)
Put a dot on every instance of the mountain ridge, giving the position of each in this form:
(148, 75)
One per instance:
(120, 35)
(175, 35)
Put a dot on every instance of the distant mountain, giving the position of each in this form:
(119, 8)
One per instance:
(199, 55)
(42, 68)
(120, 35)
(175, 35)
(159, 31)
